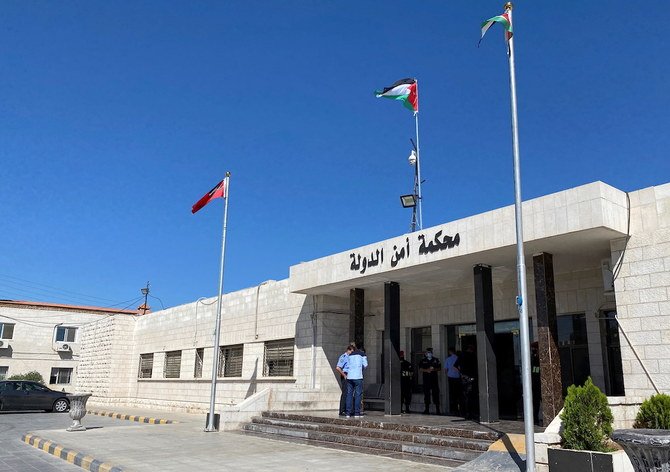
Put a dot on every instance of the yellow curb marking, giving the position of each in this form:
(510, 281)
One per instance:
(70, 456)
(58, 450)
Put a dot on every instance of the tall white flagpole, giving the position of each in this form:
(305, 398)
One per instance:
(418, 157)
(522, 298)
(217, 327)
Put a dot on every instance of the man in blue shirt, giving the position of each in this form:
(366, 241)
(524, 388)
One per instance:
(356, 363)
(454, 379)
(342, 369)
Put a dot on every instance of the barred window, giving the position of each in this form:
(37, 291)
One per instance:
(172, 367)
(6, 330)
(230, 361)
(278, 358)
(60, 375)
(146, 366)
(199, 358)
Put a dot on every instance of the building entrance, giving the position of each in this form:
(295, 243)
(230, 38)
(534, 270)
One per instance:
(508, 359)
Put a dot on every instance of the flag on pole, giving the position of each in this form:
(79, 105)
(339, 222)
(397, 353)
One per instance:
(403, 90)
(503, 20)
(217, 192)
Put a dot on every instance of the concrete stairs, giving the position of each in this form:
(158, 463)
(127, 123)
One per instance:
(435, 444)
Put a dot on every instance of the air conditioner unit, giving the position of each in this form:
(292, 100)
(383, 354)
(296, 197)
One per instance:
(62, 347)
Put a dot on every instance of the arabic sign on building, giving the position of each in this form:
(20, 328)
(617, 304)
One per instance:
(361, 263)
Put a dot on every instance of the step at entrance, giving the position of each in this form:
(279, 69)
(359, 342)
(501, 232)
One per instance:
(444, 445)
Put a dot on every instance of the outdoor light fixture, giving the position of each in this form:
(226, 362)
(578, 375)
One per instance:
(408, 201)
(412, 158)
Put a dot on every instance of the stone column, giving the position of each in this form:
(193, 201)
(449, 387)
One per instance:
(356, 316)
(547, 333)
(486, 358)
(392, 347)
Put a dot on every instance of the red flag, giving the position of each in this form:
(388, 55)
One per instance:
(217, 192)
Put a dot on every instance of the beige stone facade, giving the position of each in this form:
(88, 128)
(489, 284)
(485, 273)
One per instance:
(586, 230)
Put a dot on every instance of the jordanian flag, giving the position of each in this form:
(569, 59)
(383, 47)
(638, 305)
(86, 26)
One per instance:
(217, 192)
(503, 20)
(403, 90)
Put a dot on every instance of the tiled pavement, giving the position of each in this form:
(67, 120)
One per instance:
(16, 456)
(177, 447)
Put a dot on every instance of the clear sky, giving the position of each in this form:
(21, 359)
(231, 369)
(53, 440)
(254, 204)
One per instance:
(115, 117)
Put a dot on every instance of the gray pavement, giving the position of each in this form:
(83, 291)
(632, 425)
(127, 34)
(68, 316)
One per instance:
(16, 456)
(184, 446)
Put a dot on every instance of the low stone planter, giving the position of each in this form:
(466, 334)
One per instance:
(570, 460)
(647, 449)
(77, 410)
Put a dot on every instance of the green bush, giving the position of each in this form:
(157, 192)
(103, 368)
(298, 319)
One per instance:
(654, 413)
(32, 375)
(587, 419)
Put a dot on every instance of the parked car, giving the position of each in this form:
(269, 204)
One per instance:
(26, 395)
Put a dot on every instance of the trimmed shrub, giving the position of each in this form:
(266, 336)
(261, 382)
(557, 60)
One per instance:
(587, 419)
(33, 375)
(654, 413)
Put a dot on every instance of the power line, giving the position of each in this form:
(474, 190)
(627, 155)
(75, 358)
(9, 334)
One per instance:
(48, 288)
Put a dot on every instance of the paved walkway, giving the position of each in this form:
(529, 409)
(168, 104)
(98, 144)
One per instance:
(184, 446)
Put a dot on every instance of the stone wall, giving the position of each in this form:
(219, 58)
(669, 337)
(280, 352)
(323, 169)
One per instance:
(642, 298)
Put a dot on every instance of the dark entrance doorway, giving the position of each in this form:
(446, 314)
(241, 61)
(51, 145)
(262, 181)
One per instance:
(508, 358)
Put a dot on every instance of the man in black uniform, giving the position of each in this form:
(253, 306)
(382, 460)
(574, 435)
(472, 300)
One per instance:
(430, 366)
(406, 375)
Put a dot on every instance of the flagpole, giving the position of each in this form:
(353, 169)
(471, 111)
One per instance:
(522, 299)
(217, 327)
(418, 157)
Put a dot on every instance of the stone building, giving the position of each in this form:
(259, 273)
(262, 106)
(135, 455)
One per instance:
(598, 265)
(46, 337)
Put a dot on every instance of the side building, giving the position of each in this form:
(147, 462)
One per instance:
(46, 338)
(597, 260)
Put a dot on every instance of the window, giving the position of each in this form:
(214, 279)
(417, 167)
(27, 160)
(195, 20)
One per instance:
(146, 366)
(3, 372)
(278, 358)
(199, 357)
(33, 387)
(60, 375)
(6, 331)
(66, 334)
(172, 365)
(230, 361)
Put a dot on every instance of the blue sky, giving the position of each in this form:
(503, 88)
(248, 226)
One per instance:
(116, 117)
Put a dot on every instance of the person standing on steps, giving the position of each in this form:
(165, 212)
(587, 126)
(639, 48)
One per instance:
(406, 376)
(356, 364)
(430, 366)
(341, 369)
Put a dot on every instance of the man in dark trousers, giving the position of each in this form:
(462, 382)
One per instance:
(430, 366)
(406, 375)
(342, 369)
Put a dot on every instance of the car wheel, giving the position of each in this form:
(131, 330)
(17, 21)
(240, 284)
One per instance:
(61, 405)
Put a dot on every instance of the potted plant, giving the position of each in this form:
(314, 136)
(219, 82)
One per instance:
(585, 434)
(648, 445)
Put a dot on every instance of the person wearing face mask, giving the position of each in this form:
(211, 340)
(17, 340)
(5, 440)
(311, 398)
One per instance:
(430, 366)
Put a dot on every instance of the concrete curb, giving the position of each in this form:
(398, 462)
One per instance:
(139, 419)
(77, 458)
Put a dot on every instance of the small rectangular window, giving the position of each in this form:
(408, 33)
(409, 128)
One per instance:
(199, 358)
(172, 367)
(278, 358)
(66, 334)
(60, 375)
(3, 372)
(230, 361)
(146, 366)
(6, 331)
